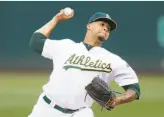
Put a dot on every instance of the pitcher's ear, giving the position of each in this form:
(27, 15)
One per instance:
(88, 26)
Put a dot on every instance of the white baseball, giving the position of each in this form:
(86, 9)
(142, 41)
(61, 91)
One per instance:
(68, 11)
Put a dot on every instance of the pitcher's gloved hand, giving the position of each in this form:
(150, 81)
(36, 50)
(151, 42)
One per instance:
(101, 93)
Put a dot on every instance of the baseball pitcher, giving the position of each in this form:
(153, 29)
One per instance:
(82, 71)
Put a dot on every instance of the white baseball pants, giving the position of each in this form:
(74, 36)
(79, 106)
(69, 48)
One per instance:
(42, 109)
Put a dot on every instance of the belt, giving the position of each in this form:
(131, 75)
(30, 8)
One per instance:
(64, 110)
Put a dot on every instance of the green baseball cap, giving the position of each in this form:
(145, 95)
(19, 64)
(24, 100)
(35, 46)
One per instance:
(100, 16)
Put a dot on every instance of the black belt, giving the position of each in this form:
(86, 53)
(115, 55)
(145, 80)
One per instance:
(64, 110)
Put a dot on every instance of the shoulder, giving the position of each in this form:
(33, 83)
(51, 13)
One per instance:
(53, 47)
(68, 41)
(116, 60)
(111, 55)
(62, 40)
(65, 42)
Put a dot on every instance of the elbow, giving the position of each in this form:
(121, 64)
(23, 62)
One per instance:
(135, 88)
(32, 42)
(138, 93)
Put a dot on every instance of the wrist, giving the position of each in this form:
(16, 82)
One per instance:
(55, 20)
(118, 100)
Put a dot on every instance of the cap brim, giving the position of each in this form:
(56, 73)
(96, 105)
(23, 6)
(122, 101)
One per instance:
(110, 22)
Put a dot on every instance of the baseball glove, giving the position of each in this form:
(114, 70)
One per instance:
(100, 92)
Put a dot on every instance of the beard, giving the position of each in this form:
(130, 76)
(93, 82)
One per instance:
(101, 38)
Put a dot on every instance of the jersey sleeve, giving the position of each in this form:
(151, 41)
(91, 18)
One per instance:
(124, 74)
(135, 87)
(53, 48)
(37, 42)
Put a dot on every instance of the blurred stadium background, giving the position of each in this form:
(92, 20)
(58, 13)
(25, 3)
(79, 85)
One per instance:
(139, 39)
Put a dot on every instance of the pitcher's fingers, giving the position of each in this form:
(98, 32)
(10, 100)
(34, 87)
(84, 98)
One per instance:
(61, 11)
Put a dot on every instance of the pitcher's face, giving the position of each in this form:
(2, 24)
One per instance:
(99, 29)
